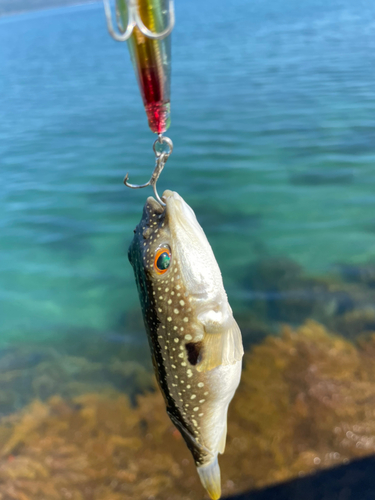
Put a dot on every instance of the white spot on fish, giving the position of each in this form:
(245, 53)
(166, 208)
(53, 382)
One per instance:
(176, 311)
(169, 301)
(193, 396)
(182, 303)
(169, 318)
(201, 400)
(186, 319)
(188, 337)
(196, 408)
(201, 384)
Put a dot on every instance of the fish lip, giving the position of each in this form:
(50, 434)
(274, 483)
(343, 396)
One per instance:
(152, 207)
(179, 212)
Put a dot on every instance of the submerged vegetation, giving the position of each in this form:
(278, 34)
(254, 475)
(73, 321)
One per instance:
(84, 421)
(306, 401)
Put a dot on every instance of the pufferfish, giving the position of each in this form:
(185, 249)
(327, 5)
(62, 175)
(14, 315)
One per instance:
(195, 342)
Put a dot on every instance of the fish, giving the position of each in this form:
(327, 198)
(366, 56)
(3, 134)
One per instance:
(195, 342)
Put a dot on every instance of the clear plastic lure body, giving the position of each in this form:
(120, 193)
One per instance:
(146, 26)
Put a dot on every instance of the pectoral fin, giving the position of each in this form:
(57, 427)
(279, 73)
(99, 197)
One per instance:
(223, 347)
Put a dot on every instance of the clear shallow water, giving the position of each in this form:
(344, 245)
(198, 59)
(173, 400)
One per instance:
(274, 132)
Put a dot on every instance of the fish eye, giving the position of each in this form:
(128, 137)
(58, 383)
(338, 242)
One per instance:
(162, 260)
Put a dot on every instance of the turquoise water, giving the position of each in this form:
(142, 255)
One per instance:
(273, 121)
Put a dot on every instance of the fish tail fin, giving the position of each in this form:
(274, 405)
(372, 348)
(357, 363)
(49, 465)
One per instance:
(210, 478)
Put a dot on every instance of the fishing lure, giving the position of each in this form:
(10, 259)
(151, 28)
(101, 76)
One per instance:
(146, 26)
(195, 342)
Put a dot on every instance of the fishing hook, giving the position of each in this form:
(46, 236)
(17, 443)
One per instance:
(134, 20)
(161, 160)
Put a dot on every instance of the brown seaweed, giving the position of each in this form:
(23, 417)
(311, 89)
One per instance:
(306, 401)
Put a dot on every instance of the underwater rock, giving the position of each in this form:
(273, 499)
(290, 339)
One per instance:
(33, 372)
(278, 291)
(362, 273)
(306, 402)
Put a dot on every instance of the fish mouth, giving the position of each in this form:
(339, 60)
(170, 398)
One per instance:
(180, 215)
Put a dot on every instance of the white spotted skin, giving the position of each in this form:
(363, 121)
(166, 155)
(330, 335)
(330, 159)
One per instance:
(173, 305)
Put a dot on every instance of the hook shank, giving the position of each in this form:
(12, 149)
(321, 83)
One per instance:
(161, 160)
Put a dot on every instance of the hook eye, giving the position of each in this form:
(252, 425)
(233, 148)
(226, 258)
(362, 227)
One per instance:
(134, 19)
(159, 146)
(160, 16)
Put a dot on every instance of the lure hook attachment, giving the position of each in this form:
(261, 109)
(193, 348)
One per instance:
(161, 160)
(134, 20)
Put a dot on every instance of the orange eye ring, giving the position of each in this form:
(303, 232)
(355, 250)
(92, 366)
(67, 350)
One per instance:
(162, 260)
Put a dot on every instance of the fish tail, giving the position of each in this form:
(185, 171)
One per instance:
(210, 478)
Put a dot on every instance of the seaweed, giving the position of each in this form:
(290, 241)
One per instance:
(306, 401)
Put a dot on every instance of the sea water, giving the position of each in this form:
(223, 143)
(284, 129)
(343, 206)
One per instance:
(273, 123)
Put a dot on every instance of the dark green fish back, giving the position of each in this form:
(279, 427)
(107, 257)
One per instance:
(141, 254)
